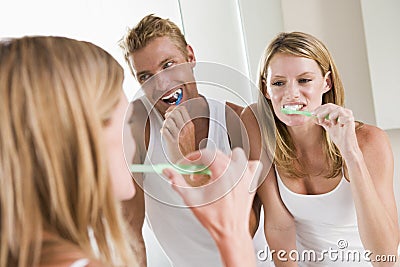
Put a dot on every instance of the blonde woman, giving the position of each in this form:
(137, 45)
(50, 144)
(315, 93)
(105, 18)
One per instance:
(61, 119)
(331, 188)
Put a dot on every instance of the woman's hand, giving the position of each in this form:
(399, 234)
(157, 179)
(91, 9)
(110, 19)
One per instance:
(339, 123)
(223, 205)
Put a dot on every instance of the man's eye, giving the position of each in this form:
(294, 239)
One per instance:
(168, 64)
(144, 77)
(278, 83)
(304, 80)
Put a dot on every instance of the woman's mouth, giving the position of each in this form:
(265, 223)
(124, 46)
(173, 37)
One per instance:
(174, 98)
(293, 107)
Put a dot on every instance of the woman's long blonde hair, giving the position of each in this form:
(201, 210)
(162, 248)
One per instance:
(56, 96)
(301, 45)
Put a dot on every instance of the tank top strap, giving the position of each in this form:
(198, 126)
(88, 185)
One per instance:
(218, 133)
(152, 112)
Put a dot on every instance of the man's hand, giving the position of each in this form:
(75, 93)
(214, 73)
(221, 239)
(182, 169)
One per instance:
(179, 133)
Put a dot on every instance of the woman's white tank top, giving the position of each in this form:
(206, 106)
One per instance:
(326, 224)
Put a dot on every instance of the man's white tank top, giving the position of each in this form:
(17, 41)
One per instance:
(184, 240)
(327, 225)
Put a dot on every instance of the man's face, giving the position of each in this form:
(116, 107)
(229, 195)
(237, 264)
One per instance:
(165, 73)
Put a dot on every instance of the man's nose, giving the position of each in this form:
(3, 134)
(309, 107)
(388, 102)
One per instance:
(163, 81)
(158, 85)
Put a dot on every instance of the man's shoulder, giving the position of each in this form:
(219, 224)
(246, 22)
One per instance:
(140, 127)
(139, 113)
(249, 112)
(138, 105)
(237, 109)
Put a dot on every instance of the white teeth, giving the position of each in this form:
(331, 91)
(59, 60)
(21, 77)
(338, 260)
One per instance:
(173, 94)
(293, 107)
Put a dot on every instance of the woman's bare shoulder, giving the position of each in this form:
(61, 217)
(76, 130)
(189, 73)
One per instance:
(62, 253)
(83, 262)
(375, 145)
(371, 137)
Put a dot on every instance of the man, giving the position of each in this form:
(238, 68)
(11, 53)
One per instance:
(176, 120)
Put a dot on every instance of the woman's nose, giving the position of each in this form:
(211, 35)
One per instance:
(292, 91)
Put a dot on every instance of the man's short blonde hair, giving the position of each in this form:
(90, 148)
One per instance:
(149, 28)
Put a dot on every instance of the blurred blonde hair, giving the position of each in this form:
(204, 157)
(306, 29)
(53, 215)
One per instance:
(301, 45)
(148, 29)
(57, 94)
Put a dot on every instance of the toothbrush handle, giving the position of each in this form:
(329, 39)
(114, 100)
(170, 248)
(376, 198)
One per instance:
(182, 169)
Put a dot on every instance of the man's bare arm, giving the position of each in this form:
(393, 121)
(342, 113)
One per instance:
(233, 124)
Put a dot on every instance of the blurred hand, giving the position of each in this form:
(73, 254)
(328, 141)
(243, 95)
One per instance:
(223, 205)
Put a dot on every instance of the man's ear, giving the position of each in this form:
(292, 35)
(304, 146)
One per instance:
(264, 88)
(327, 82)
(190, 55)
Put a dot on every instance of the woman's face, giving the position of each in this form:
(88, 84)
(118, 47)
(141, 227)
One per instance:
(297, 83)
(116, 133)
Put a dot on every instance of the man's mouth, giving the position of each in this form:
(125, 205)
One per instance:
(174, 98)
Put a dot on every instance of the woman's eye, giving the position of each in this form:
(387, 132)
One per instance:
(277, 83)
(167, 65)
(304, 80)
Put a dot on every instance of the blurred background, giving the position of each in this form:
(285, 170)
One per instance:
(361, 35)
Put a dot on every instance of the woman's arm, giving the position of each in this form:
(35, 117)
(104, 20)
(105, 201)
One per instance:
(370, 170)
(279, 226)
(369, 164)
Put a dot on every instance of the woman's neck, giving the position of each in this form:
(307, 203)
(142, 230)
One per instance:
(306, 138)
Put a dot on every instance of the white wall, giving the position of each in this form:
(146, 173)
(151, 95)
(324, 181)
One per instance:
(214, 30)
(382, 34)
(261, 21)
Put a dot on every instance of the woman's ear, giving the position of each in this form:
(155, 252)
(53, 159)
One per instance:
(327, 82)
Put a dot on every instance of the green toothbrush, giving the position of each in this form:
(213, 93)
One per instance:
(182, 169)
(299, 112)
